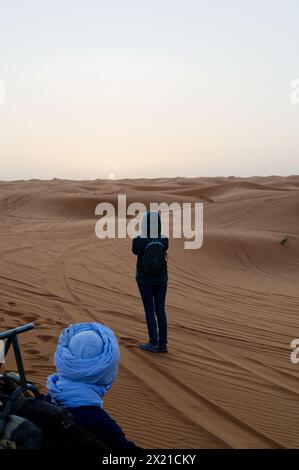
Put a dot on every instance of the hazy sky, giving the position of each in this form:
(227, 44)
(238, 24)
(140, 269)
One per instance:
(143, 88)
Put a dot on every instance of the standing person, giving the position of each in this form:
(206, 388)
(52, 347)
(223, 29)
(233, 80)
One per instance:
(152, 277)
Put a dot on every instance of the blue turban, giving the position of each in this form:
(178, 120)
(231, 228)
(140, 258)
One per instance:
(86, 360)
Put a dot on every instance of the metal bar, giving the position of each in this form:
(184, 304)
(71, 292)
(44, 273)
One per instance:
(17, 331)
(19, 360)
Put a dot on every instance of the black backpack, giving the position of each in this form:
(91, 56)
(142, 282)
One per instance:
(154, 258)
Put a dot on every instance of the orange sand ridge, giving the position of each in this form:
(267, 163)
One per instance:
(233, 305)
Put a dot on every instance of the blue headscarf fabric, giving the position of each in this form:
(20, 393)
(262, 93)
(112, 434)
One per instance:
(86, 359)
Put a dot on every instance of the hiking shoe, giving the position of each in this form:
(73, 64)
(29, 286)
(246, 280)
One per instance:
(149, 347)
(163, 348)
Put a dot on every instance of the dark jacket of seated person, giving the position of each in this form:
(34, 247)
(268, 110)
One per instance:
(86, 360)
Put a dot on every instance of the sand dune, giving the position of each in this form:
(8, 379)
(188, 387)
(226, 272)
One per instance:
(233, 305)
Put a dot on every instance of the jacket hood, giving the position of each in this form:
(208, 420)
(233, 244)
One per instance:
(151, 225)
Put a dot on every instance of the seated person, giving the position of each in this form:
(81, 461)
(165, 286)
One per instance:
(86, 360)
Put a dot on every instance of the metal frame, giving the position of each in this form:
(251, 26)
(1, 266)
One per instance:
(11, 339)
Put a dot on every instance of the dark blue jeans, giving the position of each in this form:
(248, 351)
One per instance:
(153, 298)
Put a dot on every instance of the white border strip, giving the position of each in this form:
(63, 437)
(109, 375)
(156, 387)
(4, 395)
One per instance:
(2, 92)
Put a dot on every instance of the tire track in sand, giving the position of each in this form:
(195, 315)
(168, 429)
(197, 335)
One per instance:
(189, 404)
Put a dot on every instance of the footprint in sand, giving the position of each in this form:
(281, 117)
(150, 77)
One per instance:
(41, 359)
(32, 351)
(35, 355)
(128, 342)
(29, 318)
(54, 322)
(47, 338)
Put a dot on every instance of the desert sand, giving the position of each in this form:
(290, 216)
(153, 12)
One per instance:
(233, 305)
